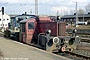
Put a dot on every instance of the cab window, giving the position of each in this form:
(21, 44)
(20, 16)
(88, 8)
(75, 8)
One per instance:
(31, 25)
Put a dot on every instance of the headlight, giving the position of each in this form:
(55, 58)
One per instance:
(48, 31)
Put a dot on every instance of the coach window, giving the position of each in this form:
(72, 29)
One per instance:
(71, 19)
(65, 20)
(5, 24)
(3, 19)
(7, 19)
(31, 25)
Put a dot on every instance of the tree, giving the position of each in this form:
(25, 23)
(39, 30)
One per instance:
(87, 8)
(80, 11)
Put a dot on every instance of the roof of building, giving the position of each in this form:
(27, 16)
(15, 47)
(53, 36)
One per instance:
(73, 16)
(13, 15)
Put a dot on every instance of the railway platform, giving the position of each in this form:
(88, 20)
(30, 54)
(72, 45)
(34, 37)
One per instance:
(12, 50)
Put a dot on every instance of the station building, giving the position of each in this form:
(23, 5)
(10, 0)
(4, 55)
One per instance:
(4, 20)
(71, 19)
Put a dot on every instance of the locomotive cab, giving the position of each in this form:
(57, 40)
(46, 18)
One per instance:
(27, 29)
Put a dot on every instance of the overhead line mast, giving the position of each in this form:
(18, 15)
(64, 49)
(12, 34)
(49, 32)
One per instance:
(76, 16)
(36, 7)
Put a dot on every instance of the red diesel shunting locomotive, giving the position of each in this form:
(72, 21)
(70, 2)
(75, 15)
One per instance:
(31, 31)
(48, 34)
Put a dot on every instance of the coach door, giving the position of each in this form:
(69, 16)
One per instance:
(22, 32)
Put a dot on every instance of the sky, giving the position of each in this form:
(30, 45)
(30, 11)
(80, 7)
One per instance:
(45, 7)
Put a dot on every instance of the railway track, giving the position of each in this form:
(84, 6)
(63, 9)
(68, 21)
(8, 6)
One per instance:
(79, 31)
(82, 51)
(83, 33)
(1, 34)
(73, 56)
